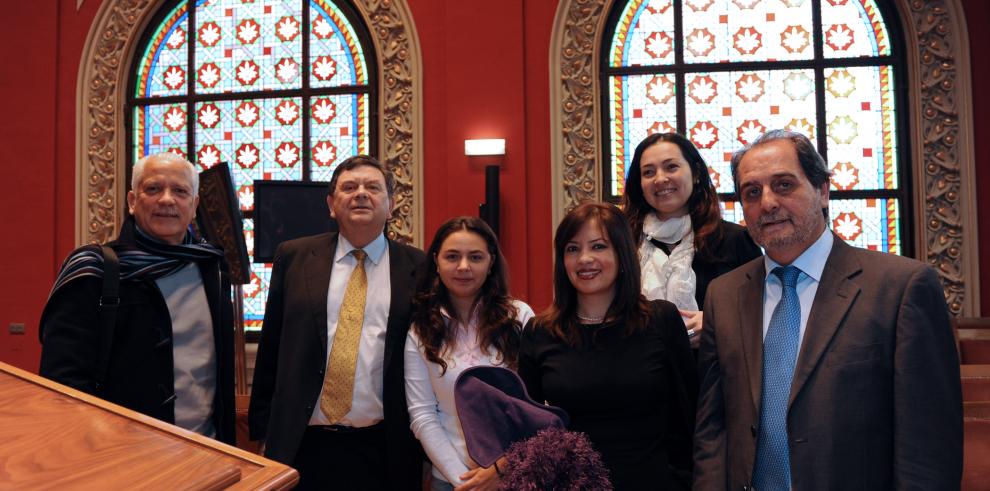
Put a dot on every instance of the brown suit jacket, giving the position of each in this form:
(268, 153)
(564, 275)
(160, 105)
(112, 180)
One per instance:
(876, 400)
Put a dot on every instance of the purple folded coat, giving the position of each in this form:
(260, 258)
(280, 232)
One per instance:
(495, 411)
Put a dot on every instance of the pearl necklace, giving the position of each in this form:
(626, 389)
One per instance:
(590, 320)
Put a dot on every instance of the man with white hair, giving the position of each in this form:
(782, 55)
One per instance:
(146, 321)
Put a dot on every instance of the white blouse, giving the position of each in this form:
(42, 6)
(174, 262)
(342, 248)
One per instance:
(430, 396)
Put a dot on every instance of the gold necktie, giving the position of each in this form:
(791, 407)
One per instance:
(338, 384)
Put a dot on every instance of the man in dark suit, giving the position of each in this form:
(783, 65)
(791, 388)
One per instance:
(329, 393)
(823, 366)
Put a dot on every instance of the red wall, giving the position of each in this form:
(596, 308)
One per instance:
(485, 75)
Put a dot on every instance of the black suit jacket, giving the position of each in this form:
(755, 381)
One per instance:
(292, 354)
(723, 254)
(875, 402)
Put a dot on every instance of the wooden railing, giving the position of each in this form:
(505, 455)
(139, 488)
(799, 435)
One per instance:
(55, 437)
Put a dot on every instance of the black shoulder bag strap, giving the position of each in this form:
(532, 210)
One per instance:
(109, 301)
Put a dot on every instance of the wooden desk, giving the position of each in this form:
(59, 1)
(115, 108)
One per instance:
(55, 437)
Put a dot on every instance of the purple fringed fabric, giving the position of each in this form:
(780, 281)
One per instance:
(554, 459)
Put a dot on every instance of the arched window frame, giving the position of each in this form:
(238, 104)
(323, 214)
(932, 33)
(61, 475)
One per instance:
(104, 71)
(940, 134)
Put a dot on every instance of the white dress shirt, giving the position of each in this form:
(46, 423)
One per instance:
(366, 405)
(430, 395)
(811, 262)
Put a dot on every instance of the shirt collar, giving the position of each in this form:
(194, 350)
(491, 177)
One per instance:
(812, 261)
(375, 249)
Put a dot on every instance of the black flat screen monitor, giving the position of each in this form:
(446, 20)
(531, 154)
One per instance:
(285, 210)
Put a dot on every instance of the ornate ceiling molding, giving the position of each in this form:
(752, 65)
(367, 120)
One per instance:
(941, 130)
(104, 70)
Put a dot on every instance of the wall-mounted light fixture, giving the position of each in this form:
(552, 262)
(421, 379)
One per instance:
(490, 146)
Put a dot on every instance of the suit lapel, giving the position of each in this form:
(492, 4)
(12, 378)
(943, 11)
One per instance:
(319, 264)
(836, 294)
(751, 325)
(401, 278)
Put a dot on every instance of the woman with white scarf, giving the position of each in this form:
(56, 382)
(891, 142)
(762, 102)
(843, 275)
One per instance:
(673, 209)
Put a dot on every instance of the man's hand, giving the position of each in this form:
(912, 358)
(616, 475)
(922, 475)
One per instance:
(692, 320)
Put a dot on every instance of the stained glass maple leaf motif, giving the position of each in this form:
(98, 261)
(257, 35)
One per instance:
(286, 70)
(749, 131)
(324, 153)
(660, 89)
(324, 68)
(174, 77)
(658, 6)
(248, 31)
(659, 45)
(208, 75)
(324, 110)
(839, 37)
(798, 86)
(208, 156)
(795, 39)
(660, 127)
(704, 134)
(209, 34)
(322, 29)
(747, 40)
(247, 113)
(252, 286)
(175, 118)
(802, 126)
(700, 42)
(750, 87)
(245, 194)
(287, 28)
(287, 154)
(847, 225)
(702, 89)
(843, 130)
(208, 115)
(287, 112)
(699, 5)
(247, 156)
(176, 39)
(845, 176)
(247, 72)
(841, 83)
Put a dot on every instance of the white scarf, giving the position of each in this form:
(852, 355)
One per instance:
(669, 278)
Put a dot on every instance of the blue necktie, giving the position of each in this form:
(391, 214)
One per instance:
(780, 348)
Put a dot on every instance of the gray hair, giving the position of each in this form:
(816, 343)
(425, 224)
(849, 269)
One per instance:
(812, 163)
(137, 173)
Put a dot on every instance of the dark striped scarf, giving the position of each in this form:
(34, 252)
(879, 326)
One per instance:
(141, 257)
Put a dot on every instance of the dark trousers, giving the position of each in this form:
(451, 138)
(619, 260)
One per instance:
(352, 460)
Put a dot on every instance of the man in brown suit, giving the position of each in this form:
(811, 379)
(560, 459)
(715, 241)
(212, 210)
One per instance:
(824, 366)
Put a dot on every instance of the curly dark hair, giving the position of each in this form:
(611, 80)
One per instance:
(629, 306)
(497, 324)
(702, 204)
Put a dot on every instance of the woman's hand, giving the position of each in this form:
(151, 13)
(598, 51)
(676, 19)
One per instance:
(482, 478)
(692, 320)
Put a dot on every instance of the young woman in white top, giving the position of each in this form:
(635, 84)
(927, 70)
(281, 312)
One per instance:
(463, 317)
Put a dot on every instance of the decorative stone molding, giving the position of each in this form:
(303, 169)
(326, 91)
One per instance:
(103, 74)
(941, 130)
(574, 103)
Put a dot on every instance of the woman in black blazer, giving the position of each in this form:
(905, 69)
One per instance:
(673, 209)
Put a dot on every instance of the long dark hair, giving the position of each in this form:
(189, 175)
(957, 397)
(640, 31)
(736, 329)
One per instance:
(702, 204)
(497, 324)
(628, 305)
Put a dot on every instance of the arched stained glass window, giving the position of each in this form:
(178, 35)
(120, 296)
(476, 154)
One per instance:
(280, 90)
(722, 72)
